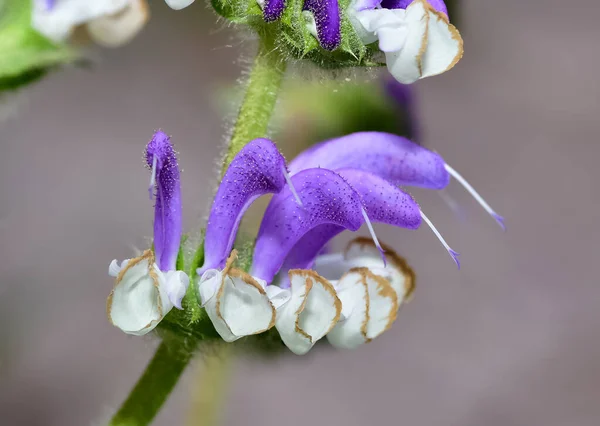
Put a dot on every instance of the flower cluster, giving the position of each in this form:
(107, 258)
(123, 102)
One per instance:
(294, 283)
(415, 36)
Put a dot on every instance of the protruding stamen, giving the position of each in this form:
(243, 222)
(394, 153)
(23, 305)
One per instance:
(286, 175)
(439, 236)
(475, 195)
(372, 232)
(152, 177)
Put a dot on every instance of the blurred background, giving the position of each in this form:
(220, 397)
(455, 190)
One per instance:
(511, 339)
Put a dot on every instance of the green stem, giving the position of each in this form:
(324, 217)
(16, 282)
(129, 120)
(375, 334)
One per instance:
(208, 398)
(155, 385)
(260, 98)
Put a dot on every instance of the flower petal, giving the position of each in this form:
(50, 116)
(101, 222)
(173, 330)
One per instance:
(240, 305)
(118, 29)
(361, 252)
(312, 311)
(178, 4)
(177, 283)
(257, 170)
(59, 22)
(383, 202)
(372, 304)
(444, 45)
(326, 199)
(160, 155)
(438, 5)
(138, 301)
(389, 156)
(387, 26)
(433, 45)
(327, 19)
(406, 64)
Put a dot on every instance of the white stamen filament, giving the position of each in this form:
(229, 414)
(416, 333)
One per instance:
(475, 195)
(452, 253)
(373, 236)
(152, 176)
(288, 180)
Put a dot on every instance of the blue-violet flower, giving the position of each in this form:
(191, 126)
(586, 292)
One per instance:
(147, 287)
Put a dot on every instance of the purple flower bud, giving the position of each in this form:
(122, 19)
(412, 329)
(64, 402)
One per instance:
(327, 20)
(165, 181)
(273, 9)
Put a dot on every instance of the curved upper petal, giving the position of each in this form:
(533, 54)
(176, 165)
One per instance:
(258, 169)
(167, 209)
(383, 202)
(326, 199)
(389, 156)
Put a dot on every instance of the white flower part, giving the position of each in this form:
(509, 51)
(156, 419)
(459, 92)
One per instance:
(311, 312)
(59, 22)
(178, 4)
(118, 29)
(433, 45)
(140, 298)
(418, 42)
(236, 303)
(370, 307)
(386, 25)
(362, 253)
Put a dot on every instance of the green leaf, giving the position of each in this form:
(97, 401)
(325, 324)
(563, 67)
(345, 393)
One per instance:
(25, 55)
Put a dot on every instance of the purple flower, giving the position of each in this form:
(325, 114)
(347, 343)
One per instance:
(165, 183)
(337, 185)
(148, 287)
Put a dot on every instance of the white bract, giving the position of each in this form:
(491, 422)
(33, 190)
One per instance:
(418, 42)
(370, 292)
(238, 304)
(311, 313)
(143, 294)
(108, 22)
(350, 310)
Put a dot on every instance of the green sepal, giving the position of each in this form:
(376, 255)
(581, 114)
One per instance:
(25, 55)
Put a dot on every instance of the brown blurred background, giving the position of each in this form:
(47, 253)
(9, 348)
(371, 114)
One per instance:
(511, 339)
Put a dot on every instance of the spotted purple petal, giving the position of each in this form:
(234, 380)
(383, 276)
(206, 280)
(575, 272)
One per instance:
(388, 156)
(383, 202)
(258, 169)
(162, 159)
(438, 5)
(273, 9)
(327, 199)
(327, 20)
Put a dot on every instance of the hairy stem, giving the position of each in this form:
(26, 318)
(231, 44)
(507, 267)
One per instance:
(155, 385)
(259, 101)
